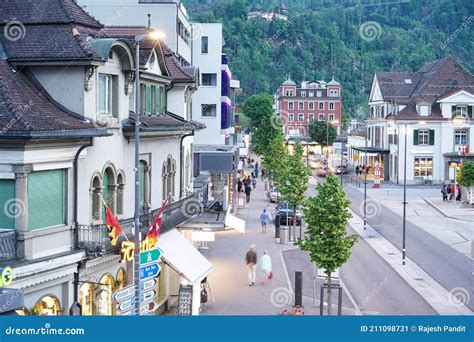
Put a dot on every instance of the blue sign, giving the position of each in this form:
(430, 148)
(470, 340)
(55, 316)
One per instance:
(149, 271)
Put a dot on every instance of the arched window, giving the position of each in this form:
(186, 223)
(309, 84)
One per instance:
(103, 296)
(86, 293)
(188, 170)
(120, 193)
(169, 177)
(121, 279)
(95, 191)
(144, 188)
(47, 306)
(108, 188)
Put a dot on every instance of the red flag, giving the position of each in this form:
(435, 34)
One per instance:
(154, 231)
(113, 227)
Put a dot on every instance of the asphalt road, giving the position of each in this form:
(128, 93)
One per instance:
(446, 265)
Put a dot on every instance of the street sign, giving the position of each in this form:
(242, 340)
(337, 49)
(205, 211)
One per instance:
(145, 297)
(124, 293)
(147, 285)
(149, 271)
(127, 313)
(148, 308)
(150, 256)
(126, 305)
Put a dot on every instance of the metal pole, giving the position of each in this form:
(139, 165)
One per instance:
(365, 184)
(136, 217)
(404, 195)
(327, 142)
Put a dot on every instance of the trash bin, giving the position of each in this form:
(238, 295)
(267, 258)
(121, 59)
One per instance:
(277, 226)
(284, 235)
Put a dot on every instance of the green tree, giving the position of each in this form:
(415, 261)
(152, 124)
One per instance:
(292, 181)
(322, 132)
(275, 157)
(267, 131)
(466, 178)
(258, 106)
(326, 239)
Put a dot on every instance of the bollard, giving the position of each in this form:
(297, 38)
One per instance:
(284, 235)
(277, 226)
(299, 288)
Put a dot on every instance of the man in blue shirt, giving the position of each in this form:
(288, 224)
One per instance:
(264, 219)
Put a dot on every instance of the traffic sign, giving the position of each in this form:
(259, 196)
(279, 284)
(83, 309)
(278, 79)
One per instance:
(147, 285)
(149, 271)
(126, 305)
(148, 308)
(124, 293)
(150, 256)
(145, 297)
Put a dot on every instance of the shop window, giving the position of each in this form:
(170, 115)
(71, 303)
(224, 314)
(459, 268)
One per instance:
(46, 199)
(47, 306)
(86, 293)
(423, 166)
(103, 296)
(8, 205)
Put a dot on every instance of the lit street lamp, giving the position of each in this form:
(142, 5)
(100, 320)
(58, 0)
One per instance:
(155, 36)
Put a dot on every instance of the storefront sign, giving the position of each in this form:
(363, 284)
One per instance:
(150, 256)
(124, 293)
(147, 285)
(128, 249)
(149, 271)
(6, 277)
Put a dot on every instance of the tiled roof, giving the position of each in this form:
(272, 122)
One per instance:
(169, 121)
(396, 86)
(31, 12)
(26, 107)
(176, 71)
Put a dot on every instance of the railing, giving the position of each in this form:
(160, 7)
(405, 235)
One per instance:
(356, 182)
(8, 245)
(94, 238)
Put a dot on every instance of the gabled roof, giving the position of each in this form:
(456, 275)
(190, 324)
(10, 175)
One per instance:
(163, 123)
(26, 109)
(33, 12)
(397, 86)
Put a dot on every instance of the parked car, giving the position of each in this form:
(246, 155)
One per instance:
(342, 168)
(322, 171)
(274, 195)
(284, 211)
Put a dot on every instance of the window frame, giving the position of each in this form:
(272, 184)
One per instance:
(300, 105)
(321, 105)
(422, 135)
(300, 117)
(291, 117)
(110, 95)
(291, 105)
(209, 105)
(205, 44)
(213, 82)
(423, 165)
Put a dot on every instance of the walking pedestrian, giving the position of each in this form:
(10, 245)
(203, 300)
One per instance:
(458, 196)
(265, 267)
(444, 191)
(251, 261)
(254, 182)
(357, 170)
(263, 174)
(362, 170)
(239, 185)
(248, 190)
(451, 192)
(264, 219)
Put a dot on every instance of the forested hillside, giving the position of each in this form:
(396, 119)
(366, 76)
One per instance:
(348, 39)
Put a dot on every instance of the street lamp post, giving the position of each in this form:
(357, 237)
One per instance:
(404, 195)
(365, 182)
(136, 217)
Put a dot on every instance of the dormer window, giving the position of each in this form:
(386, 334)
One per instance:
(424, 110)
(407, 81)
(461, 111)
(303, 94)
(311, 94)
(319, 93)
(107, 97)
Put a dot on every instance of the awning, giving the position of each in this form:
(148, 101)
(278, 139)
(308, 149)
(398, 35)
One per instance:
(235, 223)
(183, 257)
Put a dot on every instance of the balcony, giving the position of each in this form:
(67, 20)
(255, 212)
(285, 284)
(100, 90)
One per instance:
(94, 240)
(8, 245)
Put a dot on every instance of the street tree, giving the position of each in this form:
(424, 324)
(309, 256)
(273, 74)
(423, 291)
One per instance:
(293, 180)
(257, 107)
(322, 132)
(267, 131)
(275, 157)
(326, 239)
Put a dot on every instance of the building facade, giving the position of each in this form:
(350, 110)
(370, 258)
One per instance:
(66, 150)
(297, 106)
(430, 110)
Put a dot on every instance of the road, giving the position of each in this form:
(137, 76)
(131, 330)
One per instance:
(374, 285)
(446, 265)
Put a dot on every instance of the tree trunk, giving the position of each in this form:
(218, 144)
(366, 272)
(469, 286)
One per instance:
(329, 295)
(294, 223)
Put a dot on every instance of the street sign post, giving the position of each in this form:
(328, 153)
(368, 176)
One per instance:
(149, 271)
(126, 305)
(147, 285)
(146, 296)
(150, 256)
(124, 293)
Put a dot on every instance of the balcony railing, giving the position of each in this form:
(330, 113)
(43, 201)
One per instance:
(7, 245)
(94, 240)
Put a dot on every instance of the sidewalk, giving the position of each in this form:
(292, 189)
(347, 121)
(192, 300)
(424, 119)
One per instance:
(229, 286)
(454, 210)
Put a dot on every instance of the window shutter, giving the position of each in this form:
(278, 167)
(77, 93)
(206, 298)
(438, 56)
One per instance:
(165, 101)
(157, 100)
(469, 111)
(453, 111)
(415, 137)
(432, 136)
(148, 99)
(46, 199)
(7, 195)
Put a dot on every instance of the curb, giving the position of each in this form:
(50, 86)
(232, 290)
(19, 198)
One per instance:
(438, 209)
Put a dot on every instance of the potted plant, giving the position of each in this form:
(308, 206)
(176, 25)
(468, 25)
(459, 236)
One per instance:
(466, 181)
